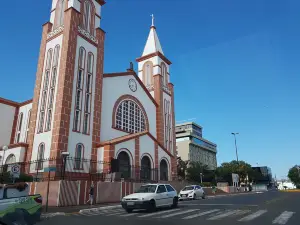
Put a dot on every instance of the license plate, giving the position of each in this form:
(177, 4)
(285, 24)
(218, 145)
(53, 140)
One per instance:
(130, 203)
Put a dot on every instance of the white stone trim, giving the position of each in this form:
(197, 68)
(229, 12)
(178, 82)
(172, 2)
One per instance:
(87, 34)
(56, 31)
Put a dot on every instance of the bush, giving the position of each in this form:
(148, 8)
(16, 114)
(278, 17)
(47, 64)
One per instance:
(6, 178)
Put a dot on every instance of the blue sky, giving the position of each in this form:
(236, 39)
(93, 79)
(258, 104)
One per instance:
(235, 65)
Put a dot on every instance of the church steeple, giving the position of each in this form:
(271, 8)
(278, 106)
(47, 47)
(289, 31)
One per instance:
(153, 44)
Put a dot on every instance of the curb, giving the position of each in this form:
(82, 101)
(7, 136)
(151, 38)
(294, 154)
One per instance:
(49, 215)
(100, 208)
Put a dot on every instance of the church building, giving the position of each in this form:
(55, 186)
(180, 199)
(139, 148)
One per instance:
(80, 110)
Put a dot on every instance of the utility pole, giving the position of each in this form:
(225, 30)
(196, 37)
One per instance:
(236, 150)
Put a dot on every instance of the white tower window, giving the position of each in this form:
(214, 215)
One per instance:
(148, 74)
(88, 17)
(40, 157)
(59, 14)
(19, 128)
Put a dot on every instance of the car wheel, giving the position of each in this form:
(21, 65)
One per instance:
(203, 196)
(175, 202)
(194, 197)
(152, 206)
(129, 210)
(20, 217)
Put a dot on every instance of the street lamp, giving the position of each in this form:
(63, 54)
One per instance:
(236, 150)
(65, 156)
(201, 175)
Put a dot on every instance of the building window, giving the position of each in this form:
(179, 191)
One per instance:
(19, 128)
(10, 159)
(167, 122)
(130, 117)
(27, 126)
(148, 74)
(79, 156)
(52, 88)
(88, 17)
(164, 74)
(88, 94)
(79, 90)
(59, 14)
(40, 157)
(45, 91)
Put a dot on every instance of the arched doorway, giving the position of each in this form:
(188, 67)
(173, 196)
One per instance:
(146, 168)
(163, 170)
(124, 164)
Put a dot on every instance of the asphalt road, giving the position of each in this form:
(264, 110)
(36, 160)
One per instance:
(267, 208)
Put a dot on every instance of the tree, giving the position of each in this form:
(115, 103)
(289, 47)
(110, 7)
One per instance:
(195, 169)
(224, 172)
(181, 167)
(294, 175)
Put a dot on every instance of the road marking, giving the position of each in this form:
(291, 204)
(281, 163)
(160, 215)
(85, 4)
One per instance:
(219, 204)
(114, 214)
(283, 218)
(200, 214)
(158, 213)
(223, 215)
(253, 216)
(178, 213)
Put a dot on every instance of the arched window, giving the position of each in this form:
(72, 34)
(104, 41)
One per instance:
(79, 89)
(59, 14)
(167, 121)
(130, 117)
(45, 91)
(88, 17)
(148, 74)
(19, 128)
(124, 164)
(164, 74)
(88, 94)
(164, 171)
(79, 156)
(10, 159)
(40, 157)
(52, 88)
(27, 126)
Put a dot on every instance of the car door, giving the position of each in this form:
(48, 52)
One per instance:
(161, 196)
(200, 191)
(171, 193)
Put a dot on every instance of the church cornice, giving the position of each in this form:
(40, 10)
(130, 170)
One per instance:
(153, 55)
(13, 103)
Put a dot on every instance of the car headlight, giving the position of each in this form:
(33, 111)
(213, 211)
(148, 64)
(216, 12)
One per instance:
(123, 199)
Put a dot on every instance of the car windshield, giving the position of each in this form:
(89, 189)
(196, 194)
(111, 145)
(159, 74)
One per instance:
(146, 189)
(188, 188)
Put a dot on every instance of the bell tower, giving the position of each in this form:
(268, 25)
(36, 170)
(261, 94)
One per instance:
(66, 107)
(154, 71)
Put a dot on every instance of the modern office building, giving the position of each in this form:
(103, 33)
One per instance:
(193, 147)
(264, 175)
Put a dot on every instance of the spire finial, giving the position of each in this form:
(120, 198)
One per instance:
(152, 20)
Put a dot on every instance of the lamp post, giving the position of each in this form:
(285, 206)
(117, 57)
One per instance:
(236, 150)
(65, 156)
(201, 175)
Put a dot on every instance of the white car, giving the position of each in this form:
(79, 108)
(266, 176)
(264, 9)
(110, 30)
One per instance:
(191, 192)
(150, 197)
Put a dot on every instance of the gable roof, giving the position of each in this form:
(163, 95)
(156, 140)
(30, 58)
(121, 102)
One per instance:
(131, 73)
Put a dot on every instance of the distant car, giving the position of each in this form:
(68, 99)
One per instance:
(191, 192)
(150, 197)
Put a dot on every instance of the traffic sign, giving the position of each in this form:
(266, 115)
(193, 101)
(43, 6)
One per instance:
(15, 170)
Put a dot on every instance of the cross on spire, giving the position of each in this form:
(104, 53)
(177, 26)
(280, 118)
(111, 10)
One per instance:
(152, 20)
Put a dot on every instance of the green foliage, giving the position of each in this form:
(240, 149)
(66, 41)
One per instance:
(6, 178)
(224, 172)
(181, 167)
(294, 175)
(195, 168)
